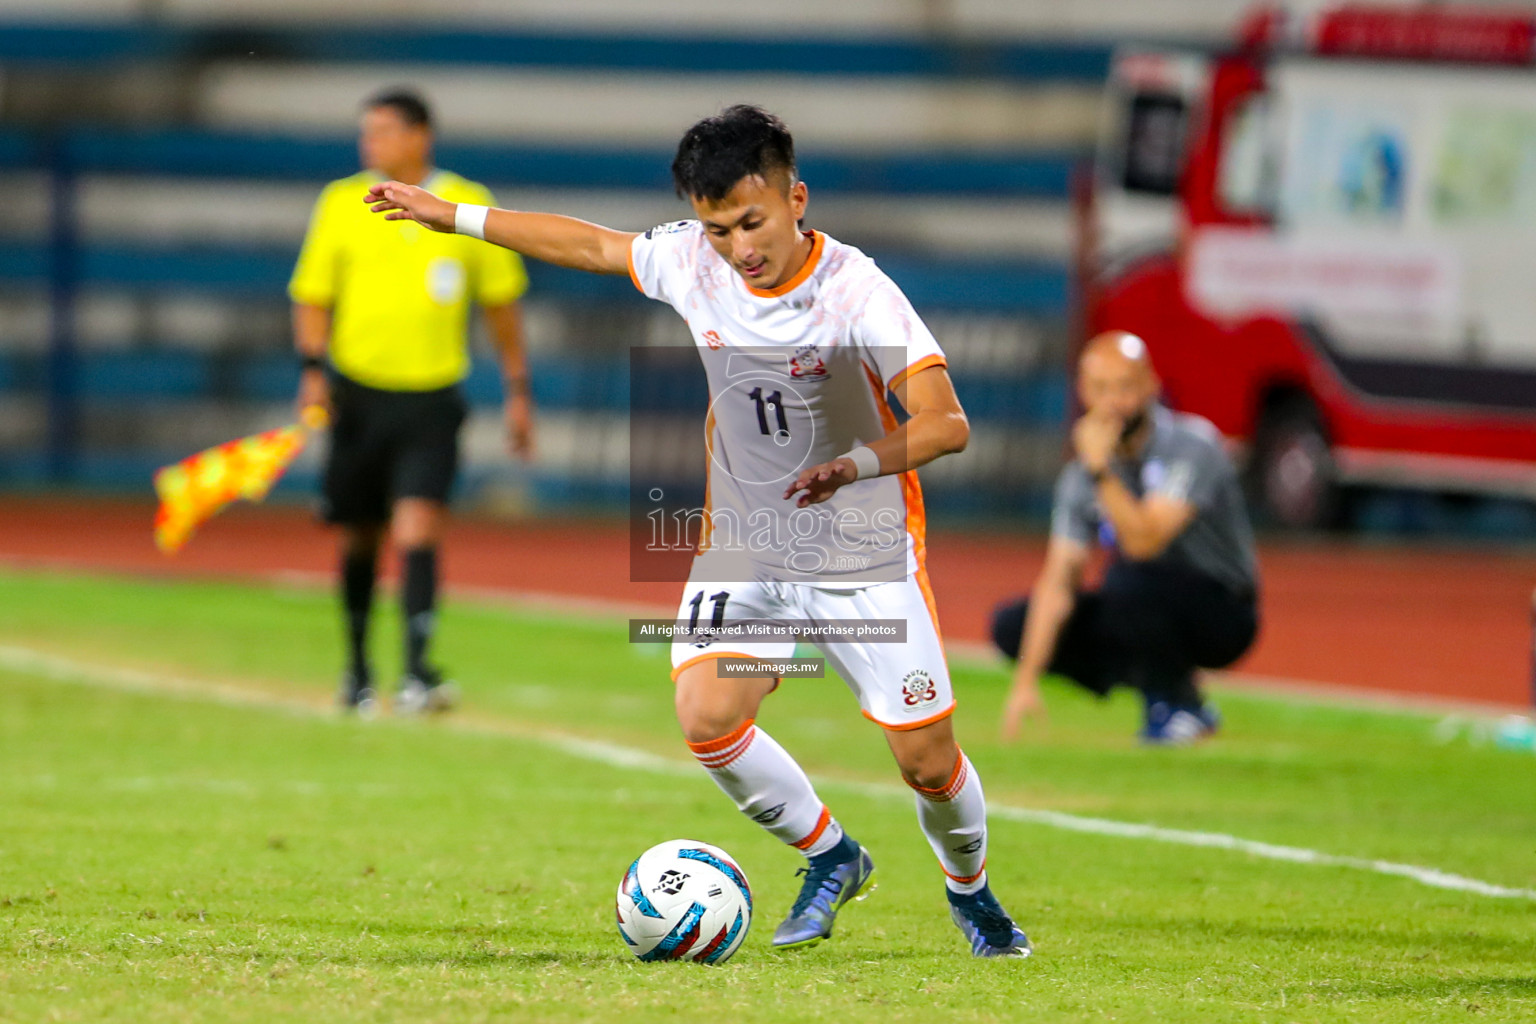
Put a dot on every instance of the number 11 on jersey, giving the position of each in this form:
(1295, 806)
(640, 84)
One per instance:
(775, 399)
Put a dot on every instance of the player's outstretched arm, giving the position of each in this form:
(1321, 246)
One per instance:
(937, 426)
(563, 241)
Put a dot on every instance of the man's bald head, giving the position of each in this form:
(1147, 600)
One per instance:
(1115, 377)
(1121, 349)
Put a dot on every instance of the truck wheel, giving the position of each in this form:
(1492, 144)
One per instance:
(1292, 477)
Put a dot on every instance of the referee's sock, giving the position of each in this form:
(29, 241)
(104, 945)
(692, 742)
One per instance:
(418, 601)
(357, 575)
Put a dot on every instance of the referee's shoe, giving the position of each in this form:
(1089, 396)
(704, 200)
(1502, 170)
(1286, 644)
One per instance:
(357, 695)
(426, 693)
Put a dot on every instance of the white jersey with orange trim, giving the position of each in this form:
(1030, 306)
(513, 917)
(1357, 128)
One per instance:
(798, 376)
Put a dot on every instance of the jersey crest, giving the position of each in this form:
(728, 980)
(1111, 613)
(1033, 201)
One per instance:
(806, 364)
(918, 689)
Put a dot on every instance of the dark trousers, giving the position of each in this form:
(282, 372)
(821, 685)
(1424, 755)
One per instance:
(1149, 625)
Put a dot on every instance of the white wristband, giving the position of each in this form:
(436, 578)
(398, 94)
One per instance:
(865, 462)
(469, 219)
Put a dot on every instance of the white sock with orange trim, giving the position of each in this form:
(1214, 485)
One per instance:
(770, 788)
(954, 818)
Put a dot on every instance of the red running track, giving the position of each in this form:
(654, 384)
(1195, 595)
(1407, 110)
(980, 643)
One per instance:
(1422, 620)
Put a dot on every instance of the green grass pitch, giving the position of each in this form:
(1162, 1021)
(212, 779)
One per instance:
(225, 848)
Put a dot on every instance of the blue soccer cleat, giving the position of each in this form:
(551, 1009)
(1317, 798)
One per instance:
(986, 925)
(1171, 726)
(822, 895)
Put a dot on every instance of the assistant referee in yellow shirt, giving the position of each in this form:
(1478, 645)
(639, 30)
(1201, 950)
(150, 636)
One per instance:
(380, 320)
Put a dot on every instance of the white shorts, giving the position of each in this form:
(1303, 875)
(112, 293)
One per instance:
(899, 685)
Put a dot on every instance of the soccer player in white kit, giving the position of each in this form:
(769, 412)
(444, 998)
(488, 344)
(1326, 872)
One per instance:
(815, 511)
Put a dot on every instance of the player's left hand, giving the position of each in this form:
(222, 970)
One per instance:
(1095, 437)
(819, 483)
(518, 419)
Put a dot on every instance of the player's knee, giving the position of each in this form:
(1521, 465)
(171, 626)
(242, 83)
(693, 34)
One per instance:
(705, 715)
(709, 707)
(928, 767)
(926, 776)
(703, 724)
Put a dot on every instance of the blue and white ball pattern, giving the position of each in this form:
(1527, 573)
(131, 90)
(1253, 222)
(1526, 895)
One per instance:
(684, 900)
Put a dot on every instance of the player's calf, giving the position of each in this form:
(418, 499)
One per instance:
(768, 786)
(953, 816)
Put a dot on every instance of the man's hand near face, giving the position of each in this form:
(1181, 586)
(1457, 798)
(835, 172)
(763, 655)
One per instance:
(1095, 437)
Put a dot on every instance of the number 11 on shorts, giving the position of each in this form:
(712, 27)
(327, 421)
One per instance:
(697, 604)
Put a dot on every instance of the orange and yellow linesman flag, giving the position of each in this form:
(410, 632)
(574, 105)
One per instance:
(198, 487)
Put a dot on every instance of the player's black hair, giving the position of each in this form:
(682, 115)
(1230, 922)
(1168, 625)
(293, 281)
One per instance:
(413, 110)
(736, 143)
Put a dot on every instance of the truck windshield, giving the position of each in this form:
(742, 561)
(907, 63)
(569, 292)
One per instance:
(1247, 173)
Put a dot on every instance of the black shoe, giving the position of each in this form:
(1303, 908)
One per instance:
(357, 695)
(426, 693)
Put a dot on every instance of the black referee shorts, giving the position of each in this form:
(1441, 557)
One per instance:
(387, 445)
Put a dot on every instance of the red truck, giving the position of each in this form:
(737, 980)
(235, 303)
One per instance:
(1327, 238)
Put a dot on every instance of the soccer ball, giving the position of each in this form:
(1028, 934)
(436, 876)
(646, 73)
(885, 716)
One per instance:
(683, 900)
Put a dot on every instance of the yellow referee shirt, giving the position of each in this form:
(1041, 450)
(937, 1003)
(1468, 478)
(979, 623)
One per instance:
(399, 294)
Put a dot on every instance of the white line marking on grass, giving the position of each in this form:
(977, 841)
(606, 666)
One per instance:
(65, 670)
(1295, 854)
(977, 654)
(47, 666)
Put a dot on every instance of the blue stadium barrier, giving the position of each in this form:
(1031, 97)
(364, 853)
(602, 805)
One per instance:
(19, 374)
(931, 282)
(559, 382)
(1044, 174)
(1031, 397)
(24, 261)
(1018, 61)
(550, 491)
(19, 150)
(160, 374)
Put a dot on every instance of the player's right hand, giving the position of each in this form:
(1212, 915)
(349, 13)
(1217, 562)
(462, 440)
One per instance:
(1095, 437)
(398, 201)
(819, 483)
(314, 390)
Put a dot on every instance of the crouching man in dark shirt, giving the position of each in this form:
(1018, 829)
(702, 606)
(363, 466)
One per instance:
(1180, 589)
